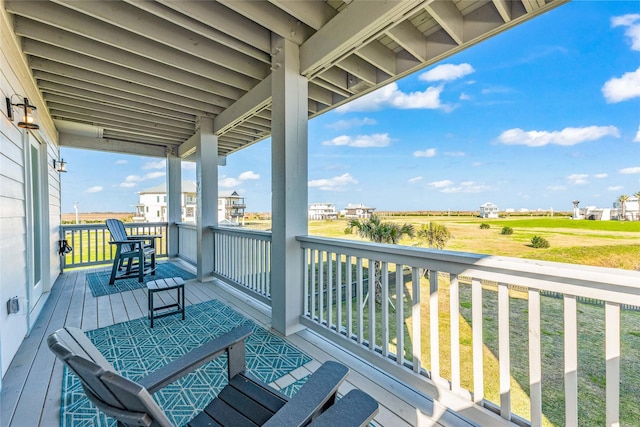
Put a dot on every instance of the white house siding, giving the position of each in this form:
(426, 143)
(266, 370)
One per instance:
(14, 224)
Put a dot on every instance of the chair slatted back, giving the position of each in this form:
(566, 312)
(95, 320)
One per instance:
(115, 395)
(118, 233)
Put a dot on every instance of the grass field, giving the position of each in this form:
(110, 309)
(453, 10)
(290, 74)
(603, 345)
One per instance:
(600, 243)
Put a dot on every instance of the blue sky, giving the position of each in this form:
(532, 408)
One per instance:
(538, 116)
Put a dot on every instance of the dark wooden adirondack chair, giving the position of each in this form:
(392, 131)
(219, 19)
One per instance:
(244, 401)
(140, 248)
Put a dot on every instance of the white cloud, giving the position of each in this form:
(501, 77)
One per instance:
(632, 22)
(153, 175)
(464, 97)
(447, 72)
(415, 179)
(637, 138)
(467, 187)
(229, 182)
(160, 164)
(630, 171)
(132, 180)
(454, 153)
(188, 165)
(615, 188)
(390, 96)
(429, 152)
(244, 176)
(578, 178)
(337, 183)
(601, 175)
(348, 124)
(556, 187)
(623, 88)
(566, 137)
(121, 162)
(361, 141)
(440, 184)
(94, 189)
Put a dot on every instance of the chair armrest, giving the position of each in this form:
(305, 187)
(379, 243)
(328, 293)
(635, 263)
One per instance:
(197, 357)
(145, 237)
(356, 408)
(125, 242)
(313, 397)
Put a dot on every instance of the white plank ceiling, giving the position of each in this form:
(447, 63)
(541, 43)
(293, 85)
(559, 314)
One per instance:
(143, 71)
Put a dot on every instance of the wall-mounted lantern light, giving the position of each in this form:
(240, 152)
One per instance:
(60, 165)
(25, 114)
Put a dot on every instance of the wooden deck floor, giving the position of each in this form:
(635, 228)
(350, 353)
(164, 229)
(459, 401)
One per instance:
(31, 388)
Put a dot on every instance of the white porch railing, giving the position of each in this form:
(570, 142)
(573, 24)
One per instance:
(242, 257)
(187, 242)
(482, 327)
(90, 242)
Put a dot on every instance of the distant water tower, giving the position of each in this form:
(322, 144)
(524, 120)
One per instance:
(576, 209)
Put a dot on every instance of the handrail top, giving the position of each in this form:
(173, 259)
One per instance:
(240, 230)
(99, 225)
(470, 263)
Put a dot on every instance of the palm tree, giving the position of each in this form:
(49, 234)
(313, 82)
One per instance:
(623, 202)
(377, 231)
(435, 235)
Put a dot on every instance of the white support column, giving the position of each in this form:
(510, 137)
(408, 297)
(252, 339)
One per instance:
(207, 196)
(289, 184)
(174, 202)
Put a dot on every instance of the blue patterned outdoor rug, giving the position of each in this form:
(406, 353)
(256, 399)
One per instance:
(99, 281)
(135, 350)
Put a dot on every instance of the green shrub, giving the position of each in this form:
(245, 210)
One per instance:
(539, 242)
(507, 230)
(484, 226)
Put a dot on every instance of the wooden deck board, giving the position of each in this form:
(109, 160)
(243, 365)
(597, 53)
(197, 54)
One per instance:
(31, 390)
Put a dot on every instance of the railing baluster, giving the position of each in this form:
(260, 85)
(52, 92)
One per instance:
(612, 356)
(454, 321)
(305, 274)
(329, 289)
(399, 314)
(372, 303)
(434, 326)
(571, 360)
(359, 285)
(338, 292)
(384, 323)
(477, 343)
(312, 282)
(349, 304)
(504, 353)
(535, 358)
(320, 287)
(415, 320)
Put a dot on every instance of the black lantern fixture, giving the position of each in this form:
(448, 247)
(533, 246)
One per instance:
(60, 165)
(26, 115)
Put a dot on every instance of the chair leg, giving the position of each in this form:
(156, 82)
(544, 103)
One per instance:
(116, 267)
(141, 265)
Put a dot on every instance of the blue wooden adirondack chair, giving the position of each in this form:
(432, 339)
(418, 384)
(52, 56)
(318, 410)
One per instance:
(244, 400)
(138, 251)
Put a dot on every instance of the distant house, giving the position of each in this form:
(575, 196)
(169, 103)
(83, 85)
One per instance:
(323, 211)
(152, 205)
(631, 209)
(358, 211)
(489, 210)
